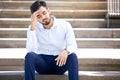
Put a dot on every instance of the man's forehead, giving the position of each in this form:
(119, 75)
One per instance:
(41, 9)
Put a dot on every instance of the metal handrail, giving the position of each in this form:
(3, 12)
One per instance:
(113, 7)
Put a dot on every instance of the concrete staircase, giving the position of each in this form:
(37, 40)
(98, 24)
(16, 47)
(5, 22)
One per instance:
(98, 54)
(91, 67)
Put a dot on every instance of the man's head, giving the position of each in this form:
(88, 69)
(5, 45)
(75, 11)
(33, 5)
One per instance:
(35, 6)
(42, 10)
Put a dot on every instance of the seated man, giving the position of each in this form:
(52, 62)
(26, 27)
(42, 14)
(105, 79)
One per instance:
(50, 44)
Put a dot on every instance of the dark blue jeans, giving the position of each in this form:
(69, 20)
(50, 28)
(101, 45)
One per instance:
(46, 64)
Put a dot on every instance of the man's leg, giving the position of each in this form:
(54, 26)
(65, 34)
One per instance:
(30, 66)
(34, 62)
(71, 65)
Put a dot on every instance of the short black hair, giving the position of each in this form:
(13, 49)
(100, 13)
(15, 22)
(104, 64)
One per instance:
(35, 6)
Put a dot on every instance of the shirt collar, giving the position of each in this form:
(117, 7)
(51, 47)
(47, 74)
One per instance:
(54, 22)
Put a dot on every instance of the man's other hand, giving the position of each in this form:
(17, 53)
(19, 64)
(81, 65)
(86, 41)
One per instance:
(62, 57)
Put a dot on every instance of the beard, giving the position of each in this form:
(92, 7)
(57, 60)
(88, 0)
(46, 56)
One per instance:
(47, 21)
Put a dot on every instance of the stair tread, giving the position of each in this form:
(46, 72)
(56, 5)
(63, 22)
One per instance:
(109, 39)
(75, 22)
(22, 13)
(55, 10)
(5, 53)
(89, 29)
(81, 73)
(81, 42)
(56, 1)
(69, 19)
(79, 32)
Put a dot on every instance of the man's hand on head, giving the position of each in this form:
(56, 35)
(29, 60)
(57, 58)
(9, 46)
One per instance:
(34, 20)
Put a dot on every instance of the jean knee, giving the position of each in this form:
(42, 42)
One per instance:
(72, 58)
(30, 55)
(73, 55)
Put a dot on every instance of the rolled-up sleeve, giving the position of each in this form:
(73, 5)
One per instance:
(71, 45)
(31, 43)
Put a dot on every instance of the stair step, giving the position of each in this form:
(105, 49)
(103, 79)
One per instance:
(13, 32)
(83, 75)
(96, 32)
(9, 55)
(14, 68)
(55, 4)
(114, 23)
(76, 23)
(87, 67)
(16, 13)
(55, 0)
(98, 43)
(12, 42)
(81, 42)
(79, 32)
(12, 59)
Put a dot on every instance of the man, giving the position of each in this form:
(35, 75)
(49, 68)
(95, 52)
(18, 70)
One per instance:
(50, 44)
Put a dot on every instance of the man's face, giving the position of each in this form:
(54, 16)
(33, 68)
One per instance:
(43, 15)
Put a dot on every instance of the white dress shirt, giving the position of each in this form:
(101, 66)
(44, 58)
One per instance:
(51, 41)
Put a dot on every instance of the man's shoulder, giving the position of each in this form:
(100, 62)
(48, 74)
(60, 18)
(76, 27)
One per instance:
(61, 21)
(63, 24)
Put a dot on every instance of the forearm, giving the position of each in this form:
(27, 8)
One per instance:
(31, 43)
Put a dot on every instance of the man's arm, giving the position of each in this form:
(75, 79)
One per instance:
(33, 21)
(71, 46)
(31, 43)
